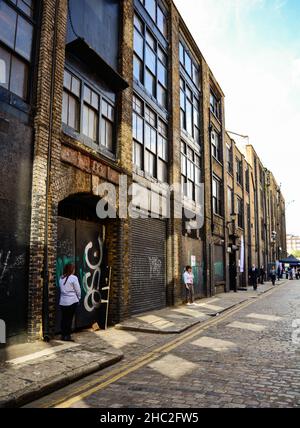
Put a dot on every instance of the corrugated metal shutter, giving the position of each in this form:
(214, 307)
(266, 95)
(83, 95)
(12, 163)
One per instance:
(148, 265)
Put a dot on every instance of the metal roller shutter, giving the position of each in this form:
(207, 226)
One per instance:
(148, 265)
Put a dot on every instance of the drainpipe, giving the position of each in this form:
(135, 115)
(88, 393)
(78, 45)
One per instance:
(45, 307)
(211, 245)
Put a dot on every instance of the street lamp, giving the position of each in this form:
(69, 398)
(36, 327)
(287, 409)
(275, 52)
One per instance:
(246, 137)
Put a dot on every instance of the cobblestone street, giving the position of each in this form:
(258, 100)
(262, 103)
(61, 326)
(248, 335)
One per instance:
(246, 358)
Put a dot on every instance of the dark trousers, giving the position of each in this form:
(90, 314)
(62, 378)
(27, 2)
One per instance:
(67, 315)
(253, 282)
(190, 293)
(273, 279)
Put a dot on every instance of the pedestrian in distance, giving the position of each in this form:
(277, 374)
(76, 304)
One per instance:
(188, 279)
(70, 295)
(273, 275)
(262, 275)
(279, 273)
(253, 276)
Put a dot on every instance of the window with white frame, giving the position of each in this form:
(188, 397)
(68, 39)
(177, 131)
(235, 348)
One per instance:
(87, 112)
(217, 196)
(150, 62)
(150, 141)
(216, 145)
(189, 65)
(189, 111)
(215, 105)
(190, 173)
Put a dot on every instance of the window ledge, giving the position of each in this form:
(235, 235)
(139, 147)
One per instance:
(217, 160)
(80, 143)
(219, 216)
(14, 100)
(216, 117)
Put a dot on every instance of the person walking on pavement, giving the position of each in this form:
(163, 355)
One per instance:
(188, 279)
(279, 273)
(273, 275)
(253, 276)
(70, 295)
(262, 275)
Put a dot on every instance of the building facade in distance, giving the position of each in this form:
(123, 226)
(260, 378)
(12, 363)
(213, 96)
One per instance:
(293, 244)
(98, 93)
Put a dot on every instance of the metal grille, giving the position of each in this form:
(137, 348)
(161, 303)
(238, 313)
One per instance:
(148, 265)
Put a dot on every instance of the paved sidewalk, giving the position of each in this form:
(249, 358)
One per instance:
(177, 320)
(31, 370)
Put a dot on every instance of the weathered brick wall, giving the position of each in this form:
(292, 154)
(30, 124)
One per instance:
(47, 119)
(78, 169)
(174, 226)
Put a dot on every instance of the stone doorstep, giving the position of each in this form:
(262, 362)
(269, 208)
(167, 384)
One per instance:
(23, 387)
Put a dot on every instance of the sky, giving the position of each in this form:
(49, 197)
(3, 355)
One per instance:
(253, 49)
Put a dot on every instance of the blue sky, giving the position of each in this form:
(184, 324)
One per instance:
(253, 49)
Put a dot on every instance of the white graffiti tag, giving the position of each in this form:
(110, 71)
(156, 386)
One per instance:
(92, 299)
(5, 264)
(155, 267)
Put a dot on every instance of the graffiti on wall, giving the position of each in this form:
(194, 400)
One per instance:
(8, 262)
(61, 262)
(155, 265)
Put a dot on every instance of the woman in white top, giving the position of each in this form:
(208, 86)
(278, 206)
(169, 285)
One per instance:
(188, 279)
(70, 294)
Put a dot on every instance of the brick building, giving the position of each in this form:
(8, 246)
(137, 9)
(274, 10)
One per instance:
(293, 243)
(106, 92)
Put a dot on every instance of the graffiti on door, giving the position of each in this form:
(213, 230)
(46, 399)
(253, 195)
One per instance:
(91, 279)
(88, 268)
(155, 264)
